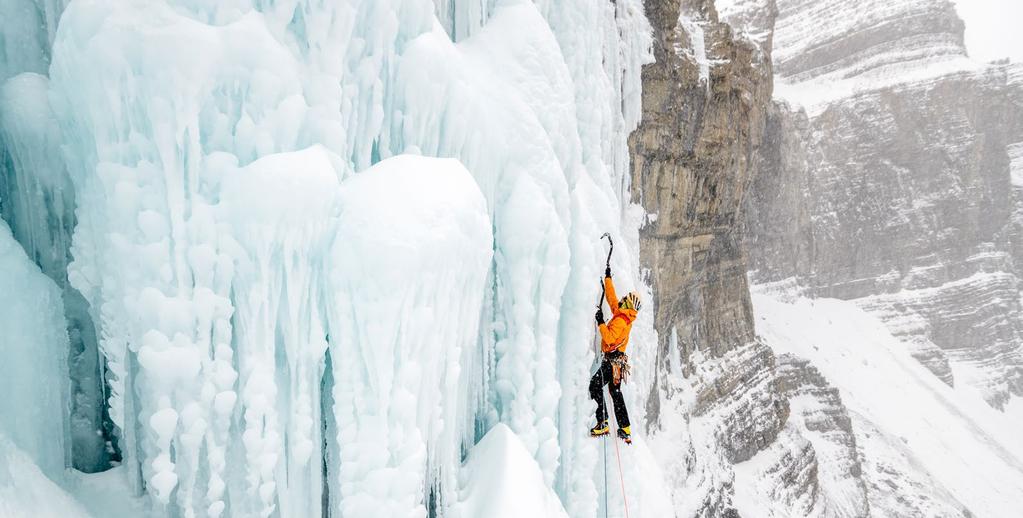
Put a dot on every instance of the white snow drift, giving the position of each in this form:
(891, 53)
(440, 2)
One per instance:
(954, 439)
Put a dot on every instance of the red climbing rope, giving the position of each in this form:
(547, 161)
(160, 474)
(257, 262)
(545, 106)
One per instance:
(618, 455)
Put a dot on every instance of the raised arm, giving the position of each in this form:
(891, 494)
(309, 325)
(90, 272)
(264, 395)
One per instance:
(609, 293)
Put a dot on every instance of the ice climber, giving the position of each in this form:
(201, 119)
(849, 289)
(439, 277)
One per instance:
(614, 337)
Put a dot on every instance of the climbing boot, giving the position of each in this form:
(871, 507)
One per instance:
(600, 429)
(625, 434)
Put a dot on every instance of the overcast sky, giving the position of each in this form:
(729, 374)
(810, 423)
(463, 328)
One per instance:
(993, 28)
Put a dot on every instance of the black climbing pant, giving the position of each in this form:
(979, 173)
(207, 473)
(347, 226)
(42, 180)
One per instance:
(603, 377)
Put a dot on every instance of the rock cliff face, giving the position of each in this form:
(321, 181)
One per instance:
(693, 156)
(831, 462)
(815, 468)
(704, 102)
(888, 175)
(898, 196)
(841, 39)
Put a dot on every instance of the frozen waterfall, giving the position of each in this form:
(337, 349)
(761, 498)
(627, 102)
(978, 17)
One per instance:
(299, 311)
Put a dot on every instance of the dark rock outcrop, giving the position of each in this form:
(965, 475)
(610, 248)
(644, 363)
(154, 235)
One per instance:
(693, 157)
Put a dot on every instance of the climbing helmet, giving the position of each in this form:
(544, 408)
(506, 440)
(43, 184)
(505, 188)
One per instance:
(630, 301)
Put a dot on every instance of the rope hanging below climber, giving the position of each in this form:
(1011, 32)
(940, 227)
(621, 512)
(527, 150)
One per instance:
(614, 367)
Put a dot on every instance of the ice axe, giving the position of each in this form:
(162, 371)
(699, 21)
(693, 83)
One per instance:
(600, 301)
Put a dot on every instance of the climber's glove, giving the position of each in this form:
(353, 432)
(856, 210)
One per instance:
(600, 316)
(607, 272)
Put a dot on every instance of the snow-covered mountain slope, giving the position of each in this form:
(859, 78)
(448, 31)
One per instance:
(825, 50)
(884, 180)
(896, 192)
(943, 450)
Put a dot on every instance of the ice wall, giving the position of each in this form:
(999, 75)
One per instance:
(37, 202)
(408, 276)
(26, 32)
(33, 346)
(210, 147)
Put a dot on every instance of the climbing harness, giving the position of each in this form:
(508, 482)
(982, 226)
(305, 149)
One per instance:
(620, 369)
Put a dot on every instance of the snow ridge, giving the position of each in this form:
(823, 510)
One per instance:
(900, 410)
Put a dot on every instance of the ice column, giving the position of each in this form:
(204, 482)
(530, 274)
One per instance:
(501, 101)
(409, 267)
(283, 212)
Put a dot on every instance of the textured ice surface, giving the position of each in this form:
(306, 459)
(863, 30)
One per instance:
(26, 31)
(407, 277)
(33, 373)
(228, 161)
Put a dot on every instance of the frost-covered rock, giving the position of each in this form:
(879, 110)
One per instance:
(844, 39)
(896, 191)
(815, 466)
(827, 50)
(715, 399)
(924, 448)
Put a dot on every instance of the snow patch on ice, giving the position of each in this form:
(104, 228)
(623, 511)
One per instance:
(106, 494)
(501, 480)
(26, 491)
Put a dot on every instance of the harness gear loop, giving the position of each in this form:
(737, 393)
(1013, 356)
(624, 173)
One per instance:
(620, 368)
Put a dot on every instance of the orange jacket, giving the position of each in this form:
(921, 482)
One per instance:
(614, 335)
